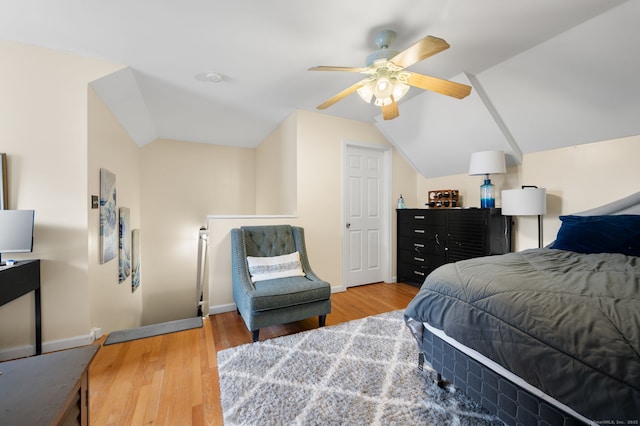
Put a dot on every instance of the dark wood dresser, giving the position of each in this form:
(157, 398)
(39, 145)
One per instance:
(428, 238)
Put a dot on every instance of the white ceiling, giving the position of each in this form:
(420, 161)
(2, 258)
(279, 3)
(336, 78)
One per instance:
(578, 87)
(263, 50)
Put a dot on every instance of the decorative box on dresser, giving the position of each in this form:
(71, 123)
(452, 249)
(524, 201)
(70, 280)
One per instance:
(428, 238)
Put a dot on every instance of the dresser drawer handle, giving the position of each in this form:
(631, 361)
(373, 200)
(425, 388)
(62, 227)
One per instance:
(419, 259)
(418, 217)
(416, 245)
(419, 273)
(419, 231)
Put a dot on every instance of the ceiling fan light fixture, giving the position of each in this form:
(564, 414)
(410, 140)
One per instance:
(383, 101)
(387, 79)
(399, 90)
(366, 92)
(384, 90)
(383, 87)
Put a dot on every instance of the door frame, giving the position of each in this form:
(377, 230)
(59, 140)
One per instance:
(386, 209)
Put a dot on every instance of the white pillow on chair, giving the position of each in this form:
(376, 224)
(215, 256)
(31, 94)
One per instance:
(269, 268)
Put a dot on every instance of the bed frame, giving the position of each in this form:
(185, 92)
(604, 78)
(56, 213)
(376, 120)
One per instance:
(498, 395)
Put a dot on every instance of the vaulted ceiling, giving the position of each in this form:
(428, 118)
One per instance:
(545, 73)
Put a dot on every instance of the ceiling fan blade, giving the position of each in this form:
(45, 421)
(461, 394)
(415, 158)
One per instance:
(348, 69)
(444, 87)
(389, 112)
(420, 50)
(346, 92)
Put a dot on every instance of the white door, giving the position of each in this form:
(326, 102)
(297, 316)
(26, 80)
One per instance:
(366, 248)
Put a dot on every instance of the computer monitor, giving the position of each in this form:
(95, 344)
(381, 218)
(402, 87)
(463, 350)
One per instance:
(16, 231)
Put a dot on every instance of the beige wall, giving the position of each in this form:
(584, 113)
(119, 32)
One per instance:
(112, 304)
(57, 135)
(182, 183)
(43, 131)
(319, 147)
(576, 178)
(469, 186)
(321, 140)
(582, 177)
(276, 171)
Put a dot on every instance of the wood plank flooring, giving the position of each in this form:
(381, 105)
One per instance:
(173, 379)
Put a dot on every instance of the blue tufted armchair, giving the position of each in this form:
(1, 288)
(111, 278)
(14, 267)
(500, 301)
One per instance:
(280, 300)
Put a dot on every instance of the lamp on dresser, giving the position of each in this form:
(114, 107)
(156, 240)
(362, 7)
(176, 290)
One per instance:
(528, 201)
(486, 163)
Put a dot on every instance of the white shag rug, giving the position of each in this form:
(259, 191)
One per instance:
(363, 372)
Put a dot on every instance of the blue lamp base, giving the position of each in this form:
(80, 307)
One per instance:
(487, 194)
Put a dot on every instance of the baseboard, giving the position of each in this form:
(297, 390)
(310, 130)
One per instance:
(219, 309)
(53, 346)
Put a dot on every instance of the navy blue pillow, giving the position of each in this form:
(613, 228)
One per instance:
(600, 234)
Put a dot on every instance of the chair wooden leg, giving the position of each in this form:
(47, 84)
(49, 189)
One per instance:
(256, 334)
(322, 319)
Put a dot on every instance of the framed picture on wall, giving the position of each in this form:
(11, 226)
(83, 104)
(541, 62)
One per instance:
(135, 260)
(108, 216)
(4, 197)
(124, 267)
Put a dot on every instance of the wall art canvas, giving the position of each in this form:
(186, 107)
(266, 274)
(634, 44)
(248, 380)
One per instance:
(124, 269)
(108, 216)
(135, 260)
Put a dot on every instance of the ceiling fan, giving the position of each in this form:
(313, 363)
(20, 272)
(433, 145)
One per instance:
(387, 79)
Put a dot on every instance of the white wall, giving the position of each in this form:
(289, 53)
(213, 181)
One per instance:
(576, 88)
(43, 131)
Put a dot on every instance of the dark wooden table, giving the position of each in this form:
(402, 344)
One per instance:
(49, 389)
(18, 280)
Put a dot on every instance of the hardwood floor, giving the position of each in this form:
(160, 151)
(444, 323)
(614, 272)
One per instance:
(173, 379)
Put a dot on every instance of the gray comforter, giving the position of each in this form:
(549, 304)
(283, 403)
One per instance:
(567, 323)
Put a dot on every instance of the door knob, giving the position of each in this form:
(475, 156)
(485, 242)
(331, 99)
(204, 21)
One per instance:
(348, 225)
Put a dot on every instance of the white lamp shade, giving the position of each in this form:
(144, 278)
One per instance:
(487, 162)
(524, 202)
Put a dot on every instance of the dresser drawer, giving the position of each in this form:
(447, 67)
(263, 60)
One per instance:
(430, 245)
(422, 230)
(428, 238)
(407, 273)
(417, 217)
(419, 260)
(412, 272)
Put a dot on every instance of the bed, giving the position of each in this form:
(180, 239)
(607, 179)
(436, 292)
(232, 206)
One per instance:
(543, 336)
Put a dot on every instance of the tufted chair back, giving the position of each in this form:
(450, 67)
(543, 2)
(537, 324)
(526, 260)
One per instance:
(275, 240)
(279, 300)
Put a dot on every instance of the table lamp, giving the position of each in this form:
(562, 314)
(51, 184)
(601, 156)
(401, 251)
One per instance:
(528, 201)
(485, 163)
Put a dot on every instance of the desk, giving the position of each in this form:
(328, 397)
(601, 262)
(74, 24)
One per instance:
(18, 280)
(49, 389)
